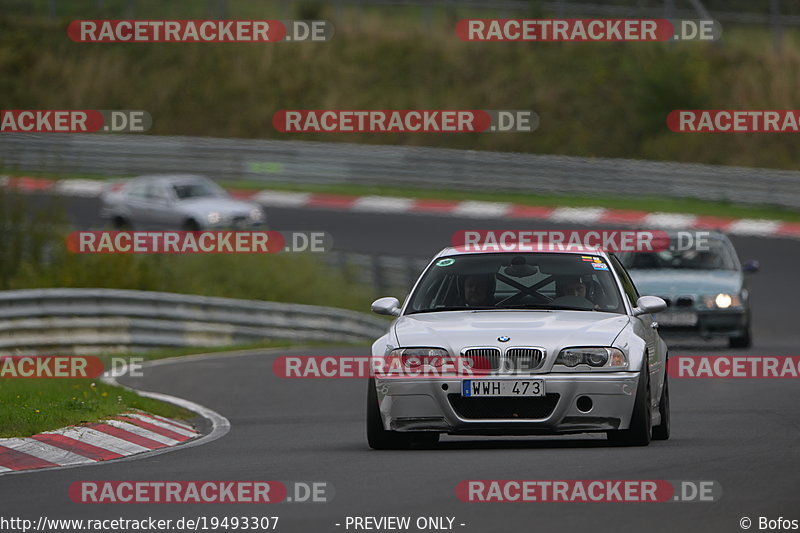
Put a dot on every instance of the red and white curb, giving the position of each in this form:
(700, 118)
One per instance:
(502, 210)
(455, 208)
(128, 434)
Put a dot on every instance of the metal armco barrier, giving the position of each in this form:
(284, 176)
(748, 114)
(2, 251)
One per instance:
(398, 166)
(94, 320)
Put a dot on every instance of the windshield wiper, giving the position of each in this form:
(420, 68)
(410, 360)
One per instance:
(453, 308)
(547, 307)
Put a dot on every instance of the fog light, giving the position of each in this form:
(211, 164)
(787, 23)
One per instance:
(584, 404)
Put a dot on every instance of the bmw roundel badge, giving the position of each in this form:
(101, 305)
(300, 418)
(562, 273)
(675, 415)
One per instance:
(504, 338)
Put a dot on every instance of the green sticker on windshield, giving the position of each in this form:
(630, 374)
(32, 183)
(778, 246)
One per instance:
(445, 262)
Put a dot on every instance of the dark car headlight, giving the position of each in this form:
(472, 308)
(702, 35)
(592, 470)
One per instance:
(417, 357)
(722, 301)
(594, 356)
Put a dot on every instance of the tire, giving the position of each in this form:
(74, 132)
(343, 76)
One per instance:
(382, 439)
(191, 225)
(121, 224)
(661, 431)
(742, 341)
(640, 430)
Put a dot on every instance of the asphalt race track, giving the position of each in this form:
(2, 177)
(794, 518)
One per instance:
(743, 433)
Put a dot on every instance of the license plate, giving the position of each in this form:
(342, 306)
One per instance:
(677, 319)
(502, 388)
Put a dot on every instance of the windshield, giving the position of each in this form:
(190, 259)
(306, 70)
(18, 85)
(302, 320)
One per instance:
(197, 189)
(517, 281)
(716, 256)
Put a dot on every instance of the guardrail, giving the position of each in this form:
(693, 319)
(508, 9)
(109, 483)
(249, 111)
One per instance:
(398, 166)
(386, 275)
(110, 320)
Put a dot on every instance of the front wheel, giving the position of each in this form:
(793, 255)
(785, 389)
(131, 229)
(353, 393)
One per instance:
(744, 340)
(190, 225)
(382, 439)
(661, 431)
(640, 429)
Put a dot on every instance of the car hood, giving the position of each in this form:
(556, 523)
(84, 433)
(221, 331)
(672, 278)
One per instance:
(552, 330)
(224, 206)
(686, 282)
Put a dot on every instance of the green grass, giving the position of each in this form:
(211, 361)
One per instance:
(30, 406)
(593, 99)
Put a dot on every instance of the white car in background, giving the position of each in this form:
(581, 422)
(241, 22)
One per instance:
(179, 201)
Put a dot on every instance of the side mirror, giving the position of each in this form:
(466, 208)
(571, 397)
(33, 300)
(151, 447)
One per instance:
(751, 267)
(649, 304)
(386, 306)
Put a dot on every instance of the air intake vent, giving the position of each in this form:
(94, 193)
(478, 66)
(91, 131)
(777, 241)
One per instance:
(483, 358)
(522, 359)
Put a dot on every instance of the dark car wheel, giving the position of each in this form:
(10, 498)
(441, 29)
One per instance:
(381, 439)
(661, 431)
(742, 341)
(191, 225)
(640, 430)
(121, 223)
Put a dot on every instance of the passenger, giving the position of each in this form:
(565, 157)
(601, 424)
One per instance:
(570, 286)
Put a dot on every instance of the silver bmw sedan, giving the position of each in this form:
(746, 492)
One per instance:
(178, 201)
(519, 343)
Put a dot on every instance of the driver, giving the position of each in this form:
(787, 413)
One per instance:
(570, 286)
(479, 290)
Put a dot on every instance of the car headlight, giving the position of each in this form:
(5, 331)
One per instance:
(596, 357)
(417, 357)
(214, 218)
(256, 215)
(722, 301)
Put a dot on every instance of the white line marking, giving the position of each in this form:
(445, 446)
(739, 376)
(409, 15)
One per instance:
(101, 440)
(45, 451)
(164, 425)
(670, 220)
(580, 215)
(76, 187)
(171, 422)
(383, 204)
(481, 209)
(146, 433)
(282, 198)
(749, 226)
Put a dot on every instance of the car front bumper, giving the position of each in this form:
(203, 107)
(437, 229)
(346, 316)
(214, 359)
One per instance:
(435, 404)
(712, 323)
